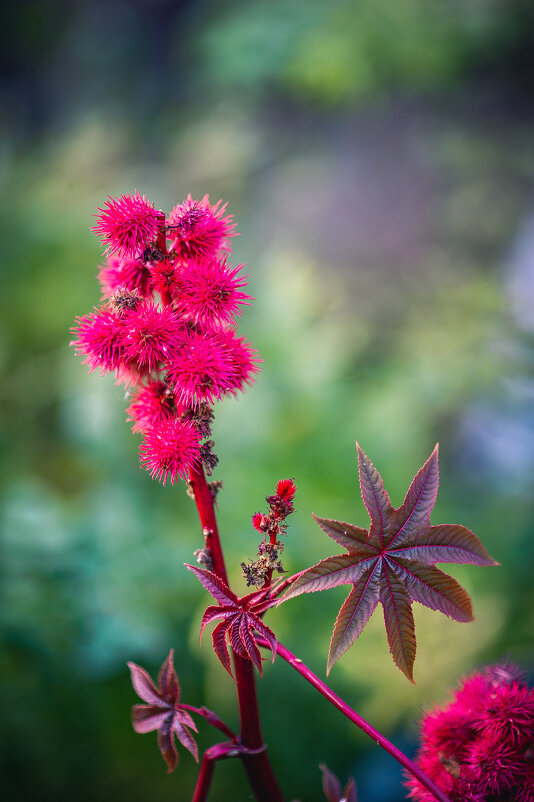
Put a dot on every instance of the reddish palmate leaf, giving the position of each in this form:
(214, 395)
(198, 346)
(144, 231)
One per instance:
(240, 618)
(393, 563)
(163, 711)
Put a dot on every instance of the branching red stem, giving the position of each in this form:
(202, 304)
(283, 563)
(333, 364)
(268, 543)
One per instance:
(207, 767)
(206, 513)
(351, 714)
(212, 719)
(257, 766)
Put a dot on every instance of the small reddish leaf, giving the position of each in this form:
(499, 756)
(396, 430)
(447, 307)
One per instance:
(164, 713)
(331, 784)
(374, 496)
(399, 622)
(220, 647)
(356, 611)
(218, 589)
(347, 535)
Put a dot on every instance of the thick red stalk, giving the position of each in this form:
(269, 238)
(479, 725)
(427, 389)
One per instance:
(206, 513)
(257, 766)
(351, 714)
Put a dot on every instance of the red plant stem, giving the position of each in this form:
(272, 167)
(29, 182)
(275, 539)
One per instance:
(257, 767)
(351, 714)
(212, 719)
(207, 767)
(206, 513)
(161, 244)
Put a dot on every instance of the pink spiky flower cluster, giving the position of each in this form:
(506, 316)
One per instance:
(480, 747)
(166, 326)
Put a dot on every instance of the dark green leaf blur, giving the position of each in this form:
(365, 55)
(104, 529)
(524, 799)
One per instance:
(378, 156)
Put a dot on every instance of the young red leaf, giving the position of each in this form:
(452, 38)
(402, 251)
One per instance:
(393, 563)
(239, 621)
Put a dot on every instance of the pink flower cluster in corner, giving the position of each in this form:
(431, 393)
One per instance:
(166, 326)
(480, 747)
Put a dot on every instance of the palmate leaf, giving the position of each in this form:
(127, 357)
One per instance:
(393, 563)
(240, 619)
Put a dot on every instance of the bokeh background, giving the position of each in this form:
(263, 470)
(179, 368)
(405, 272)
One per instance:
(379, 158)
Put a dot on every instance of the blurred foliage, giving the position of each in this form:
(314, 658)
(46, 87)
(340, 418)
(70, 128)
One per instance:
(377, 156)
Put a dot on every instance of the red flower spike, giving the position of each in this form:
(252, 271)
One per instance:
(153, 335)
(200, 230)
(163, 711)
(127, 225)
(133, 274)
(240, 618)
(393, 564)
(210, 293)
(201, 372)
(170, 449)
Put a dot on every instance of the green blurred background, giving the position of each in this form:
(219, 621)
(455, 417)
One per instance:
(379, 158)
